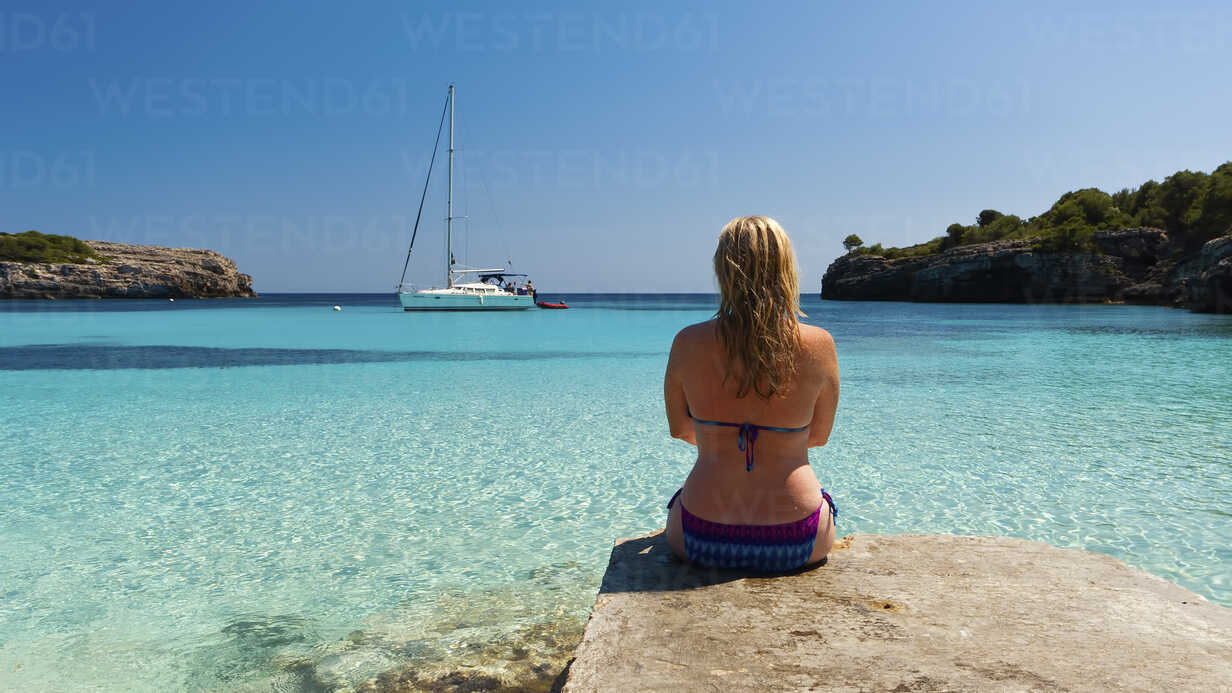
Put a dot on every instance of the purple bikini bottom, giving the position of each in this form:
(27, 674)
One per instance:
(762, 548)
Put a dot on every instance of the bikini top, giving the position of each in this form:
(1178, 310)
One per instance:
(747, 435)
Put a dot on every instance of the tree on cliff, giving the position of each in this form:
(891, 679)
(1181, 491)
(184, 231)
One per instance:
(852, 242)
(1192, 207)
(1215, 218)
(32, 246)
(987, 217)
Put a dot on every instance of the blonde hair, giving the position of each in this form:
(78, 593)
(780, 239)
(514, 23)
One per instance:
(758, 305)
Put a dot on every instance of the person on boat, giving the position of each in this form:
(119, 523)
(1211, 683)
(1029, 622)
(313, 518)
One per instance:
(530, 289)
(753, 389)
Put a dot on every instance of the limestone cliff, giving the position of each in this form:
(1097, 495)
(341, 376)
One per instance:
(1132, 265)
(130, 271)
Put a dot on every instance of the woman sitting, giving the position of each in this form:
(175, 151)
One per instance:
(753, 389)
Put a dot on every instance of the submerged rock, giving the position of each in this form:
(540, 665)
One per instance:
(1131, 265)
(472, 640)
(130, 271)
(901, 613)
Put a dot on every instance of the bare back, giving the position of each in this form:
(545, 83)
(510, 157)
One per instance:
(781, 487)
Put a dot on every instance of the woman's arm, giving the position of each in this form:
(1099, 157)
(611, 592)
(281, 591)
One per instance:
(678, 420)
(827, 399)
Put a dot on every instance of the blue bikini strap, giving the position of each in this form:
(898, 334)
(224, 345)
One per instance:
(833, 507)
(677, 495)
(748, 435)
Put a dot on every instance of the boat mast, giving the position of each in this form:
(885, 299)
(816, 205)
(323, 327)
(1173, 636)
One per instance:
(449, 218)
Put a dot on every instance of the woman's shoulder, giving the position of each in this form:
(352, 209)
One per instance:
(817, 342)
(813, 334)
(696, 333)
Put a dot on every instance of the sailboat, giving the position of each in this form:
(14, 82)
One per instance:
(466, 288)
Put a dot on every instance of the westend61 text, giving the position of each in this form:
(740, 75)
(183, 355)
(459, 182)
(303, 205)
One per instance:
(563, 32)
(24, 32)
(167, 97)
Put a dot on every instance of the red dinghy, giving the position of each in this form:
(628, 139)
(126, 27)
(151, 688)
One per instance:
(553, 306)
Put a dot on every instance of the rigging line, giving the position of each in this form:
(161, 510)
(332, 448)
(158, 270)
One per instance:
(435, 146)
(464, 187)
(500, 231)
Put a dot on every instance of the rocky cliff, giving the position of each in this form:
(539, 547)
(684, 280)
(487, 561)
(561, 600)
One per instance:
(1132, 265)
(129, 271)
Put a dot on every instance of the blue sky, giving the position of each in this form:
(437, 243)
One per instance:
(601, 147)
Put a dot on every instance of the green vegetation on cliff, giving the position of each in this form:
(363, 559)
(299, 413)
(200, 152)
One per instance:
(33, 246)
(1193, 207)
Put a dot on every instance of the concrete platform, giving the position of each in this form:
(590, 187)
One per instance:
(901, 613)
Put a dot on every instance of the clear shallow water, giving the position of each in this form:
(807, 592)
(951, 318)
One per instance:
(207, 494)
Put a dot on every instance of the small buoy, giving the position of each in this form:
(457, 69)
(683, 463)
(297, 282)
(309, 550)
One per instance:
(171, 299)
(337, 307)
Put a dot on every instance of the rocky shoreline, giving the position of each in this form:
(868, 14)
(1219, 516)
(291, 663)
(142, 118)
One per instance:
(1140, 266)
(486, 648)
(900, 612)
(129, 271)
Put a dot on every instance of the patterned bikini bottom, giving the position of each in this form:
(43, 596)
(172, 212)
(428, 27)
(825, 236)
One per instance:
(761, 548)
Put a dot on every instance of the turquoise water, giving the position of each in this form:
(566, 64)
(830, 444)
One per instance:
(225, 495)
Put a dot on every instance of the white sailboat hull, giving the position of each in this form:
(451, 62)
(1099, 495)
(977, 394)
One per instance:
(428, 300)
